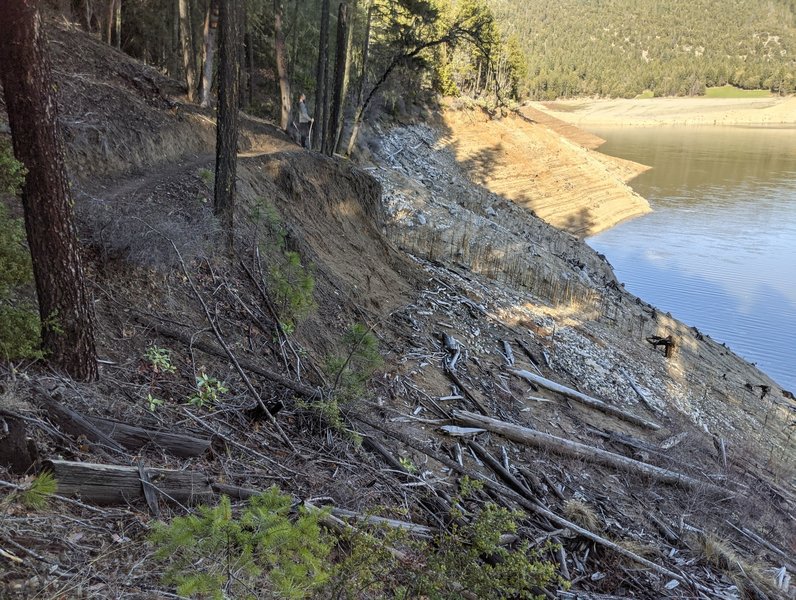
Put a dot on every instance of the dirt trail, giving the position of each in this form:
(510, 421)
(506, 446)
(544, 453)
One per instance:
(545, 167)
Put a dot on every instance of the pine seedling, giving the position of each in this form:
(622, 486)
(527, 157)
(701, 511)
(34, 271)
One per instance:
(39, 491)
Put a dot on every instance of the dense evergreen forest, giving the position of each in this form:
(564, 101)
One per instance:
(671, 47)
(402, 49)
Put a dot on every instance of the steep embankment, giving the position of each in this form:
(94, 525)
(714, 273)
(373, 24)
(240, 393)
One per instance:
(541, 169)
(480, 288)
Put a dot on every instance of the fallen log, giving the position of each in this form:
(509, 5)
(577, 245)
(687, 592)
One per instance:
(584, 399)
(530, 506)
(531, 437)
(117, 484)
(640, 393)
(72, 422)
(467, 394)
(135, 438)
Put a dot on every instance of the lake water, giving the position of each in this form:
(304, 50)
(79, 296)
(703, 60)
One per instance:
(719, 250)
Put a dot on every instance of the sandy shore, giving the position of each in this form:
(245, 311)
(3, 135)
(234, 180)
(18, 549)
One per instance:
(771, 112)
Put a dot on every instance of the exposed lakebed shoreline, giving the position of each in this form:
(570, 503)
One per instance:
(749, 112)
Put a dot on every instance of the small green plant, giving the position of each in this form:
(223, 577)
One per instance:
(35, 494)
(207, 177)
(291, 282)
(407, 464)
(215, 554)
(208, 390)
(12, 172)
(356, 365)
(20, 329)
(293, 285)
(153, 402)
(469, 556)
(159, 359)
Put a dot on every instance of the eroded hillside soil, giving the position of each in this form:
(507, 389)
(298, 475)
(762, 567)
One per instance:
(431, 246)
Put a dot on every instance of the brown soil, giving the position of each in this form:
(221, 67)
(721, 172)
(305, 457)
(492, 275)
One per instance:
(566, 184)
(471, 263)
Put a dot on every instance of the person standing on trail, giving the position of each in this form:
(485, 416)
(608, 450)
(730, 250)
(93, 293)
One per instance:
(305, 122)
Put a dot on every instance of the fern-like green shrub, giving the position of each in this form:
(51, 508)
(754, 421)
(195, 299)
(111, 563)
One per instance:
(260, 553)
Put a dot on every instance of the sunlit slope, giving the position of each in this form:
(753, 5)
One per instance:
(673, 47)
(544, 170)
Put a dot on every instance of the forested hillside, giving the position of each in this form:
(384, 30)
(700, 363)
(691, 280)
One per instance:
(672, 47)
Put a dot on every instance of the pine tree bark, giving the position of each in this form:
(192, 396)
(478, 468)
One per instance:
(243, 73)
(186, 45)
(349, 46)
(211, 33)
(227, 120)
(67, 314)
(320, 75)
(336, 110)
(359, 113)
(281, 63)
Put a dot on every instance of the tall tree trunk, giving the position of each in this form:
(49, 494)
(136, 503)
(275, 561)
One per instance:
(250, 66)
(242, 72)
(347, 75)
(211, 32)
(360, 111)
(117, 24)
(320, 74)
(67, 314)
(336, 111)
(294, 37)
(227, 121)
(281, 63)
(175, 63)
(186, 44)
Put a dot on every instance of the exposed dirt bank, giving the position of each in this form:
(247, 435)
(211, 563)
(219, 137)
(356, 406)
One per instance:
(427, 253)
(769, 112)
(546, 168)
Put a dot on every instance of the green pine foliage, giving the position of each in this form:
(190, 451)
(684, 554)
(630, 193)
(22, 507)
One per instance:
(621, 48)
(290, 281)
(39, 491)
(19, 320)
(468, 557)
(359, 359)
(262, 552)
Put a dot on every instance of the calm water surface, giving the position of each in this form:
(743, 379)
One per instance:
(719, 250)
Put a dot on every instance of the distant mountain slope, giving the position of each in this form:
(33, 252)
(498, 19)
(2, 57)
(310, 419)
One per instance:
(672, 47)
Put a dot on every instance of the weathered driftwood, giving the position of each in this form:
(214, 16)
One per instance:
(529, 505)
(420, 531)
(746, 532)
(640, 393)
(500, 470)
(149, 490)
(584, 399)
(117, 484)
(507, 353)
(531, 437)
(72, 422)
(458, 382)
(134, 438)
